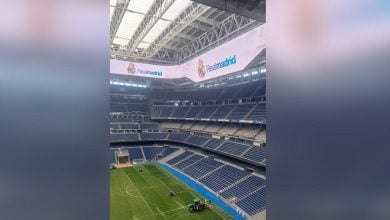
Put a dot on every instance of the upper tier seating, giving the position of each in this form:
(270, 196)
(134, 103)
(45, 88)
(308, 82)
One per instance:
(180, 137)
(194, 111)
(128, 105)
(259, 112)
(222, 111)
(247, 90)
(114, 126)
(197, 140)
(207, 111)
(242, 90)
(213, 143)
(187, 125)
(233, 148)
(180, 112)
(199, 126)
(241, 111)
(170, 125)
(248, 131)
(230, 111)
(261, 136)
(154, 136)
(213, 128)
(130, 126)
(229, 129)
(161, 111)
(149, 126)
(117, 107)
(124, 137)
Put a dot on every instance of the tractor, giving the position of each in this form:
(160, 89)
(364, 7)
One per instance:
(196, 206)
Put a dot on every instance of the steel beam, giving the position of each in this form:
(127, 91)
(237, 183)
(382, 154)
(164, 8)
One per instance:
(117, 16)
(187, 17)
(156, 11)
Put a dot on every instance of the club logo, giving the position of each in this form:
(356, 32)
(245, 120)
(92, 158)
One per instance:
(201, 69)
(131, 68)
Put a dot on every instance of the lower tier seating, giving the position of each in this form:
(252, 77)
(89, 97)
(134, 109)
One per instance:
(238, 186)
(248, 153)
(254, 203)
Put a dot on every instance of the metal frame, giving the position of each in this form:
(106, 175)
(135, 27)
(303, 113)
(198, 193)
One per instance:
(190, 14)
(157, 10)
(117, 16)
(233, 25)
(197, 29)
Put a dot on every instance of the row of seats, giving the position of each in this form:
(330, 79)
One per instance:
(256, 132)
(254, 203)
(252, 153)
(243, 188)
(223, 177)
(230, 111)
(135, 118)
(231, 183)
(134, 126)
(144, 153)
(243, 90)
(128, 107)
(180, 157)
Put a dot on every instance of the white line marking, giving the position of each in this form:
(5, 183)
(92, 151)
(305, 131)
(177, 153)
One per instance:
(131, 195)
(139, 193)
(166, 173)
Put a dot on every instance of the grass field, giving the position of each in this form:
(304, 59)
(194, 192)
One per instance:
(143, 196)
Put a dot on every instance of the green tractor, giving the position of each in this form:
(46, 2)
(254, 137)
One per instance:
(196, 206)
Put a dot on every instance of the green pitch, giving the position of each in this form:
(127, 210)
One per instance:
(143, 196)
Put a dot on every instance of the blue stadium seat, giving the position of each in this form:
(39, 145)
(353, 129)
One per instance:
(254, 203)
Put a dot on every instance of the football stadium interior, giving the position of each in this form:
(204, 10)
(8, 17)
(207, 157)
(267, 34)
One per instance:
(187, 109)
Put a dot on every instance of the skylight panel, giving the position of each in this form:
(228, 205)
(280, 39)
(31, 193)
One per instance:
(113, 2)
(141, 6)
(176, 9)
(129, 24)
(111, 12)
(120, 41)
(157, 29)
(143, 45)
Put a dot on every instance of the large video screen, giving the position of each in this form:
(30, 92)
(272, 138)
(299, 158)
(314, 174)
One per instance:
(230, 57)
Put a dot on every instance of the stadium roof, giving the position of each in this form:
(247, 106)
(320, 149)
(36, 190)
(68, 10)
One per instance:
(170, 31)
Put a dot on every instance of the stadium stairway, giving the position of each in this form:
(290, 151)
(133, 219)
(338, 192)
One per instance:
(231, 111)
(143, 153)
(236, 183)
(259, 216)
(250, 112)
(172, 155)
(215, 170)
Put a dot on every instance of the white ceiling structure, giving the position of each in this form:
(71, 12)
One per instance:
(169, 31)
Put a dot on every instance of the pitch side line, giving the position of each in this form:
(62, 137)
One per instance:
(139, 193)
